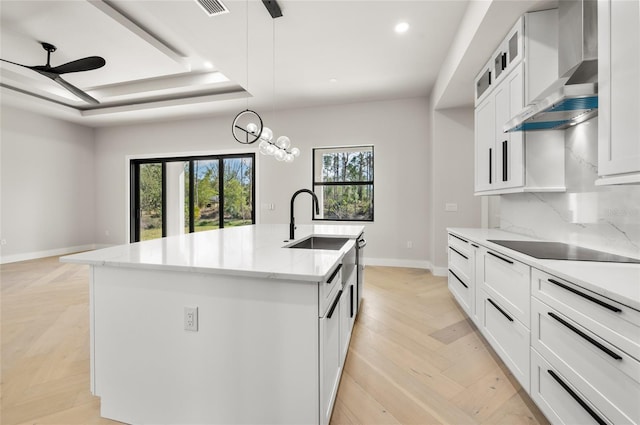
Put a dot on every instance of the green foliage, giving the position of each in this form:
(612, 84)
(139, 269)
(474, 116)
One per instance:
(348, 202)
(151, 188)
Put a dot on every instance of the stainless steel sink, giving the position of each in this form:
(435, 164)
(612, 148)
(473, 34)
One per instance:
(318, 242)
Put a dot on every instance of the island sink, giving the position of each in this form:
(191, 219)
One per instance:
(318, 242)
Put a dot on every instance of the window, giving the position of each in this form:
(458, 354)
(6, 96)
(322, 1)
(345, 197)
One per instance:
(171, 196)
(343, 183)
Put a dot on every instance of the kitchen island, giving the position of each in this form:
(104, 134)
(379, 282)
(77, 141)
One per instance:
(224, 326)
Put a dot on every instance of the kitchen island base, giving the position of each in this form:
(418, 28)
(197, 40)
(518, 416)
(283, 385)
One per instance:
(253, 359)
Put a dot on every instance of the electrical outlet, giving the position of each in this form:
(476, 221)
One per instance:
(3, 241)
(451, 207)
(191, 319)
(409, 244)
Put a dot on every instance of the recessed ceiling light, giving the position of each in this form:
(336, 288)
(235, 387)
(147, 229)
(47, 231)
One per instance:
(402, 27)
(333, 80)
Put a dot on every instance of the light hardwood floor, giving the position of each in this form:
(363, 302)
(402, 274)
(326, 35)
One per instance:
(413, 359)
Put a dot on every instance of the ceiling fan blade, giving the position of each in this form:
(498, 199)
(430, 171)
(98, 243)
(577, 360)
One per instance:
(84, 64)
(15, 63)
(73, 89)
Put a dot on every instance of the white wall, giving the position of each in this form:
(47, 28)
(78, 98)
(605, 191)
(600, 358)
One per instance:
(398, 129)
(47, 186)
(453, 177)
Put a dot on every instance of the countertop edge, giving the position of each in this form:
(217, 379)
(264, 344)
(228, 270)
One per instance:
(548, 265)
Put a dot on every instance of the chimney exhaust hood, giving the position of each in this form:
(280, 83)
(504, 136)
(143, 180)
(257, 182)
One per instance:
(573, 98)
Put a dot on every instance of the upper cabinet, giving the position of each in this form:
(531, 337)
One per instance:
(619, 92)
(522, 66)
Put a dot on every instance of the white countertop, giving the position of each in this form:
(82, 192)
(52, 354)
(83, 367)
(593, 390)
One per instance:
(617, 281)
(256, 250)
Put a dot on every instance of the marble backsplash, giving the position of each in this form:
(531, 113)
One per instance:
(606, 218)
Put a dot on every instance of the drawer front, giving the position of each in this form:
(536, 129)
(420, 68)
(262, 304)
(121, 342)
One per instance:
(458, 242)
(461, 262)
(613, 321)
(508, 281)
(605, 374)
(462, 291)
(560, 402)
(508, 337)
(328, 289)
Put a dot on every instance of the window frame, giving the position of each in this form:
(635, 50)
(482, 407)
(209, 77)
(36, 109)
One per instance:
(315, 184)
(134, 191)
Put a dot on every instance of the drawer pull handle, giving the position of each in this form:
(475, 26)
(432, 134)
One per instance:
(588, 297)
(474, 245)
(458, 237)
(333, 275)
(500, 310)
(335, 304)
(575, 396)
(497, 256)
(585, 336)
(459, 280)
(459, 253)
(350, 301)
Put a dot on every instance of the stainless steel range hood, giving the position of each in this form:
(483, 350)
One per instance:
(573, 98)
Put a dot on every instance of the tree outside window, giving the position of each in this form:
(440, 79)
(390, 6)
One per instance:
(343, 182)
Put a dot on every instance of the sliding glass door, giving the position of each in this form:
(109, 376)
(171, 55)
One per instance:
(171, 196)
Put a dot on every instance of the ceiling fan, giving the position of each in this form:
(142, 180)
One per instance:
(84, 64)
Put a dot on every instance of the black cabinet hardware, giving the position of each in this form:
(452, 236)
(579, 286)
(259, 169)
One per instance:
(585, 336)
(474, 245)
(335, 304)
(504, 60)
(577, 398)
(459, 253)
(458, 237)
(497, 256)
(351, 299)
(335, 272)
(504, 161)
(500, 310)
(588, 297)
(459, 280)
(490, 171)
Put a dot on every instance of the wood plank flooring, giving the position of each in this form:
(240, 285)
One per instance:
(413, 359)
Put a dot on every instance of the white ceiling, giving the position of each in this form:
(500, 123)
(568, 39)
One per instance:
(168, 59)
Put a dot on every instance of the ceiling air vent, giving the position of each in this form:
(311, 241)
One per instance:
(213, 7)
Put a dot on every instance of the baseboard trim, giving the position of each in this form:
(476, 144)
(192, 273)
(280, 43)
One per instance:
(5, 259)
(440, 271)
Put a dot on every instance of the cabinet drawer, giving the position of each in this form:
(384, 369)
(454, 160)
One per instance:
(605, 374)
(462, 291)
(458, 242)
(508, 337)
(328, 289)
(507, 280)
(615, 322)
(461, 262)
(558, 399)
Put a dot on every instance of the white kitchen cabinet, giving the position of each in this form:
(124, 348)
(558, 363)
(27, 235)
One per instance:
(330, 357)
(604, 374)
(618, 323)
(518, 161)
(619, 92)
(461, 273)
(585, 349)
(507, 281)
(507, 335)
(485, 128)
(347, 316)
(560, 402)
(499, 160)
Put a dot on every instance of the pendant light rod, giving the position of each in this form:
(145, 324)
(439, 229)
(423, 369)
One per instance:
(273, 7)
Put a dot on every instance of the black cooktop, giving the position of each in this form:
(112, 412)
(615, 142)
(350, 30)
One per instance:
(563, 251)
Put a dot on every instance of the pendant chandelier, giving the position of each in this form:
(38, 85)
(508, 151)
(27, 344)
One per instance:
(247, 127)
